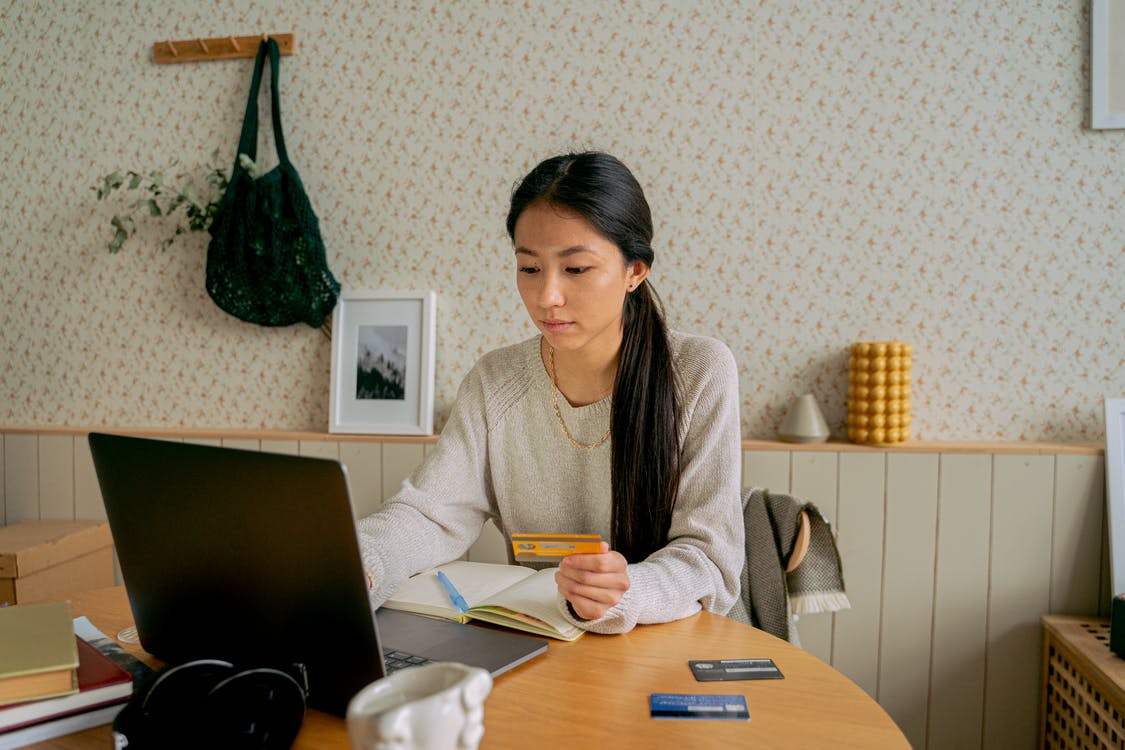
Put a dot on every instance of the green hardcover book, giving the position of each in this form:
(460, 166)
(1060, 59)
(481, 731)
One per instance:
(38, 653)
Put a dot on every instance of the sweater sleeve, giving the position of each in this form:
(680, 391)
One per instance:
(699, 567)
(440, 509)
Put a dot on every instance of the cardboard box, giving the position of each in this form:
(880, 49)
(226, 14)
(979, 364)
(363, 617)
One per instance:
(42, 561)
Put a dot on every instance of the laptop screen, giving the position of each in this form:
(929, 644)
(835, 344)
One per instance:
(244, 556)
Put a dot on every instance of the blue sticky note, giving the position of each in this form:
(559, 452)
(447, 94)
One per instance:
(694, 706)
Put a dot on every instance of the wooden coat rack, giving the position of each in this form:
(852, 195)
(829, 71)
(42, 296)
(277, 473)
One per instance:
(219, 48)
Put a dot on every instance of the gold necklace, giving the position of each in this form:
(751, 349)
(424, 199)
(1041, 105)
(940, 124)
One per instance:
(558, 412)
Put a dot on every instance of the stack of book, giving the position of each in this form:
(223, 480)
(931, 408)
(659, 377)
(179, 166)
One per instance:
(52, 681)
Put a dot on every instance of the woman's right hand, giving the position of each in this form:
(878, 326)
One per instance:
(593, 583)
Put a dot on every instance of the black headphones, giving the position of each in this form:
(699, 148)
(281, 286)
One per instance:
(211, 703)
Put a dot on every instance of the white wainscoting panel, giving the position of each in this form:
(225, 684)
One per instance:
(290, 447)
(56, 476)
(399, 459)
(908, 590)
(859, 538)
(1020, 586)
(956, 705)
(21, 478)
(1078, 514)
(88, 504)
(364, 462)
(813, 478)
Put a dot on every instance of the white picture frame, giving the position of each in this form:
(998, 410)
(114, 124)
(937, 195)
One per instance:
(383, 363)
(1115, 490)
(1107, 64)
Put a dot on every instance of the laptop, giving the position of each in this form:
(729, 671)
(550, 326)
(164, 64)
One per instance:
(253, 558)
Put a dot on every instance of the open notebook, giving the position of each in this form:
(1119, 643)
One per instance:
(508, 595)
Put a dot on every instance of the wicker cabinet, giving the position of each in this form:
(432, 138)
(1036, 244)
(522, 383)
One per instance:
(1083, 688)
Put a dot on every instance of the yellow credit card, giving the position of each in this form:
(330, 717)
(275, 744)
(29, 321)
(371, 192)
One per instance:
(540, 547)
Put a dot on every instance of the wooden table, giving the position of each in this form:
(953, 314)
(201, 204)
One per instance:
(594, 693)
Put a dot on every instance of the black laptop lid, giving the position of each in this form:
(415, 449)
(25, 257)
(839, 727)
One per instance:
(239, 555)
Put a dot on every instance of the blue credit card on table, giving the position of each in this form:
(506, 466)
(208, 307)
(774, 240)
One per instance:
(696, 706)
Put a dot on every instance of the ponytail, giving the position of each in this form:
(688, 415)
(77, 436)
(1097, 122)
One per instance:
(645, 465)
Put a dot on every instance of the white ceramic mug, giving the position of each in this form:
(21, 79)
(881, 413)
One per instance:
(436, 706)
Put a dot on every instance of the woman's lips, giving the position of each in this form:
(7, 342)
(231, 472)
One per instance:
(557, 326)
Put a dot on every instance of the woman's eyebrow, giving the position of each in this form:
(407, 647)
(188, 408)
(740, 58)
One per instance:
(576, 249)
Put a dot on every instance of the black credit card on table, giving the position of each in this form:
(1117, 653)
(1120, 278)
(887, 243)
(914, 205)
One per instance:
(717, 670)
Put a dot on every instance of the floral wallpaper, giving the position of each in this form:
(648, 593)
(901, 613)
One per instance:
(820, 173)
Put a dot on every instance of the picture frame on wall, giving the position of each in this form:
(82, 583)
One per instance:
(1107, 64)
(1115, 490)
(382, 379)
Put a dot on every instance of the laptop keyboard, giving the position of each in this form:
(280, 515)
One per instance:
(396, 660)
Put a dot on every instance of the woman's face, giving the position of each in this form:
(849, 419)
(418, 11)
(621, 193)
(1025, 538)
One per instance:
(572, 280)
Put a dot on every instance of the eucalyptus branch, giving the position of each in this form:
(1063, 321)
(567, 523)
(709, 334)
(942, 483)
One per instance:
(193, 198)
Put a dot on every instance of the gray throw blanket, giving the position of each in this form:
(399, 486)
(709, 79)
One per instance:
(770, 595)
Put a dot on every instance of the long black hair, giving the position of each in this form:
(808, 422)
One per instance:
(645, 463)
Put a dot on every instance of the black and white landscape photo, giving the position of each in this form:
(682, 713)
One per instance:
(381, 363)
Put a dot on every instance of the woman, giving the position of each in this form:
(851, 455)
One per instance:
(605, 423)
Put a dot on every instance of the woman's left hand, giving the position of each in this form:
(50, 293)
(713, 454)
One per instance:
(593, 583)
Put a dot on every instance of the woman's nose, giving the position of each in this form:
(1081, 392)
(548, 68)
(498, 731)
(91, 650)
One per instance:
(551, 293)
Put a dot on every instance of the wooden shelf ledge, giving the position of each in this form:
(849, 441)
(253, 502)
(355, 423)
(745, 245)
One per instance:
(752, 444)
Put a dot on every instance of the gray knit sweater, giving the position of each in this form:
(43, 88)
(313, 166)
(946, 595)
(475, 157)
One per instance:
(503, 455)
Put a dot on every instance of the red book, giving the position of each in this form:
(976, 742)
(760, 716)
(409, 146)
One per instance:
(100, 683)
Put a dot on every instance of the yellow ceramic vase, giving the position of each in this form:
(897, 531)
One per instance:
(879, 392)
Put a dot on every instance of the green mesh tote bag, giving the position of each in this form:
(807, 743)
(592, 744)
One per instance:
(265, 262)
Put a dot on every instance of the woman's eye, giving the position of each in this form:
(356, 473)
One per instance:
(528, 269)
(578, 269)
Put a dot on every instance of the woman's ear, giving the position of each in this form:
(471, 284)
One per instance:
(635, 273)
